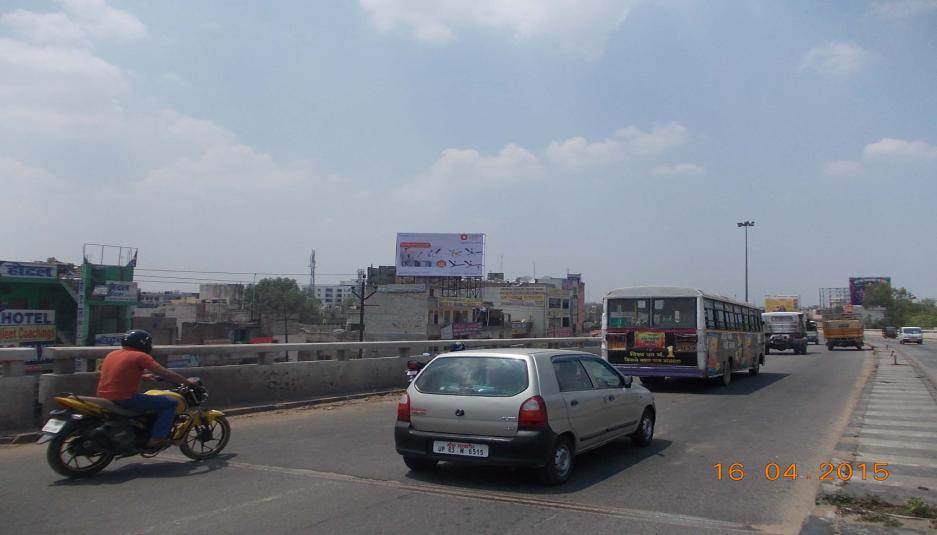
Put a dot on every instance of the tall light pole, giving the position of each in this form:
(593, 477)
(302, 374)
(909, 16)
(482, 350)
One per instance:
(746, 224)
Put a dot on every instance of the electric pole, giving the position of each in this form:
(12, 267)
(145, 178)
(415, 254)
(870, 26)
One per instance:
(746, 224)
(312, 273)
(362, 297)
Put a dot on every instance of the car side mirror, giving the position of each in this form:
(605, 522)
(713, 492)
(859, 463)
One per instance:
(628, 381)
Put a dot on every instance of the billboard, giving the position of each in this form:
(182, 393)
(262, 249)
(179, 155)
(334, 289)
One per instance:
(858, 286)
(782, 303)
(523, 297)
(440, 255)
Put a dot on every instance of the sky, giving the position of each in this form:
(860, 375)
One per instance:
(620, 139)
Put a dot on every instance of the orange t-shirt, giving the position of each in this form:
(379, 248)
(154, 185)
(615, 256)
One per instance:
(121, 372)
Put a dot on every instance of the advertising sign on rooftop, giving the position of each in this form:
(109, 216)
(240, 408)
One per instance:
(782, 303)
(859, 285)
(440, 255)
(27, 270)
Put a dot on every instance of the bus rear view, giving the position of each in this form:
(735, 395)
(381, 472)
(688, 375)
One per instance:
(655, 332)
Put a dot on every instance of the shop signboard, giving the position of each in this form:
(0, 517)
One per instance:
(27, 270)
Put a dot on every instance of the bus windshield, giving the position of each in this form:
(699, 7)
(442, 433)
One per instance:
(662, 313)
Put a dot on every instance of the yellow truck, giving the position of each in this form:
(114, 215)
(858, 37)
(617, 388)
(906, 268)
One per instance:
(843, 332)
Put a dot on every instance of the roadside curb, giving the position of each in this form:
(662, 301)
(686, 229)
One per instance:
(32, 436)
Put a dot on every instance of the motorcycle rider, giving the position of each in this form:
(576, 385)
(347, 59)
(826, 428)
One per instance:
(121, 373)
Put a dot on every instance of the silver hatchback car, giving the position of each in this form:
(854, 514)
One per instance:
(519, 407)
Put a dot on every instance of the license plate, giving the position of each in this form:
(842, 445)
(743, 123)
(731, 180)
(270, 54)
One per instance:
(53, 426)
(460, 448)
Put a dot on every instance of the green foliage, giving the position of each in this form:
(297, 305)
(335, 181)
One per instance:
(900, 307)
(282, 298)
(919, 508)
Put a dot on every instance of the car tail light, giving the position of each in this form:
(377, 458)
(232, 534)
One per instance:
(403, 408)
(533, 414)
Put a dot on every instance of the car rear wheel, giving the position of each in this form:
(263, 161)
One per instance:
(559, 464)
(419, 465)
(645, 433)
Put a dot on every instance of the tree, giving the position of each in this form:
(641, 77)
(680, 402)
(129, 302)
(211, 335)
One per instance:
(282, 298)
(900, 308)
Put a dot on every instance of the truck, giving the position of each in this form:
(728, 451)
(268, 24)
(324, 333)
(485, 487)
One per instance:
(843, 331)
(785, 330)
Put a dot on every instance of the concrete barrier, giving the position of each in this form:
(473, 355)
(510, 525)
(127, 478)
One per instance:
(18, 402)
(238, 384)
(253, 384)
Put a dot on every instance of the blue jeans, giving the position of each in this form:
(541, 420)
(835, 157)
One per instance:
(163, 405)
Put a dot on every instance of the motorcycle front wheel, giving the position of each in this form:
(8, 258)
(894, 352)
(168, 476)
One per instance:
(73, 455)
(207, 440)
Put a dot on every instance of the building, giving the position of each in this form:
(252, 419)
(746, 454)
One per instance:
(334, 295)
(155, 299)
(545, 307)
(220, 307)
(79, 305)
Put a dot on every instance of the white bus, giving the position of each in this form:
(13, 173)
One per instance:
(655, 332)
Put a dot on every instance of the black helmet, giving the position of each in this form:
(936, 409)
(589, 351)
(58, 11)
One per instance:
(137, 339)
(458, 346)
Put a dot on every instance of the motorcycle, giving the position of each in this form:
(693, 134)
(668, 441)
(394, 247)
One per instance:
(414, 367)
(88, 433)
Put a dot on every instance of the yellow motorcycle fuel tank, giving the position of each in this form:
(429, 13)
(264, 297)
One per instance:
(181, 404)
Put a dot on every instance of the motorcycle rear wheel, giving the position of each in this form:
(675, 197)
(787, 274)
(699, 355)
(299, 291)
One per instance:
(198, 446)
(62, 457)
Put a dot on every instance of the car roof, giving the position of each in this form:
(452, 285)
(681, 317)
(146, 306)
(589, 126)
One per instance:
(509, 352)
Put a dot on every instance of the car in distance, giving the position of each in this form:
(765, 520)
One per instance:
(889, 332)
(910, 335)
(519, 407)
(813, 336)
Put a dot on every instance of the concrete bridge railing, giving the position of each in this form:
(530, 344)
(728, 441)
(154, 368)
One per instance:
(323, 369)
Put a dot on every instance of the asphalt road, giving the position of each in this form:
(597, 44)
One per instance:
(334, 469)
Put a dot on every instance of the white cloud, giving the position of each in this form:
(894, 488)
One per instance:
(886, 151)
(899, 150)
(58, 90)
(903, 9)
(461, 170)
(842, 168)
(82, 22)
(834, 58)
(680, 169)
(626, 143)
(579, 26)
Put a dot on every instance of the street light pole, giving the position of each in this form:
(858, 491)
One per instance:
(746, 224)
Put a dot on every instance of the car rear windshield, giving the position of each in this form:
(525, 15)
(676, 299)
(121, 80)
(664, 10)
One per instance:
(474, 376)
(912, 330)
